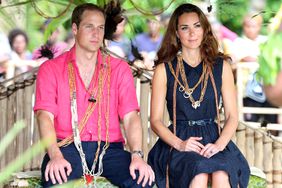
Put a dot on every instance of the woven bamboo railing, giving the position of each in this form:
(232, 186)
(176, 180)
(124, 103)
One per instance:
(261, 149)
(16, 101)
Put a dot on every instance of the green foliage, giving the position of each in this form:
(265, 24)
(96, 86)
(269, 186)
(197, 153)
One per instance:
(272, 6)
(256, 182)
(231, 13)
(10, 136)
(22, 159)
(270, 58)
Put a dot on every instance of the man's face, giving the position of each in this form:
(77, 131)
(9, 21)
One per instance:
(89, 34)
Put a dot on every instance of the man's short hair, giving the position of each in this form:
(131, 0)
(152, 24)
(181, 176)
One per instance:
(79, 10)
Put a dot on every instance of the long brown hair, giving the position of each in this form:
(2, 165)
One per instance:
(171, 44)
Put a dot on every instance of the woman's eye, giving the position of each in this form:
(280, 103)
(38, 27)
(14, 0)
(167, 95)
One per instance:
(198, 25)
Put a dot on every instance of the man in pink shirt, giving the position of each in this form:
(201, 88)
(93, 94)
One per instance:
(81, 96)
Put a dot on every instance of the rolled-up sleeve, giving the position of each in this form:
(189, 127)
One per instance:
(127, 100)
(46, 90)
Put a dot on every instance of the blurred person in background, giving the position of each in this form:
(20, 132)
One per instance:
(69, 40)
(149, 42)
(120, 44)
(247, 49)
(21, 58)
(5, 54)
(53, 43)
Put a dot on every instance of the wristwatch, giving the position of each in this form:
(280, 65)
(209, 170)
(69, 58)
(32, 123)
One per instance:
(138, 152)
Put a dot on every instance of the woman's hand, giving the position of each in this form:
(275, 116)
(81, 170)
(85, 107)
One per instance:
(209, 150)
(192, 144)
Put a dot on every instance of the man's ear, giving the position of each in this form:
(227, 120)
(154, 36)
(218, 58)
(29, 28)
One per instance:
(74, 28)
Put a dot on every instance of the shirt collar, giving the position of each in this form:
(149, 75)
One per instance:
(72, 55)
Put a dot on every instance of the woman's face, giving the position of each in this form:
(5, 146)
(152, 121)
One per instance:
(19, 44)
(190, 31)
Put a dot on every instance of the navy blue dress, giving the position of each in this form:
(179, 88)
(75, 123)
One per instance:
(184, 166)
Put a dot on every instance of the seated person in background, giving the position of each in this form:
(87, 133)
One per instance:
(53, 43)
(246, 48)
(5, 55)
(149, 42)
(69, 40)
(120, 44)
(20, 56)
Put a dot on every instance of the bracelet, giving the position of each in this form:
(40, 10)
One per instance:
(139, 153)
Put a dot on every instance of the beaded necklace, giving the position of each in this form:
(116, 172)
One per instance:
(187, 91)
(103, 75)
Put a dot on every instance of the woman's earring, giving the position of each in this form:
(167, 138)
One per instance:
(179, 53)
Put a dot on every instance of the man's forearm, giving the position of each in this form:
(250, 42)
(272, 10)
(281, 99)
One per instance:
(47, 130)
(133, 131)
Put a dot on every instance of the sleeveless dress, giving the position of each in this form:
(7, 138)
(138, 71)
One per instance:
(184, 166)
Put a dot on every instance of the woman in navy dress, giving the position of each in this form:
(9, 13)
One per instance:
(190, 77)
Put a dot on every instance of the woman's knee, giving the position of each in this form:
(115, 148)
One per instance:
(201, 178)
(220, 175)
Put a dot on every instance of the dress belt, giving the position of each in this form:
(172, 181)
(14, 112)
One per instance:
(200, 122)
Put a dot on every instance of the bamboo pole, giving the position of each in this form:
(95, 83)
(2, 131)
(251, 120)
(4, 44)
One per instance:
(267, 161)
(277, 165)
(250, 148)
(258, 150)
(241, 138)
(144, 104)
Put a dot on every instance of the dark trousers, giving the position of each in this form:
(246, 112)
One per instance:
(116, 163)
(267, 118)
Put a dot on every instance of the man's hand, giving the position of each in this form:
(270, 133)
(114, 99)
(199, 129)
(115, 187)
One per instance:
(58, 169)
(145, 171)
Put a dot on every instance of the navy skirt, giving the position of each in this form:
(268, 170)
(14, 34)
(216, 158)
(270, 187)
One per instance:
(184, 166)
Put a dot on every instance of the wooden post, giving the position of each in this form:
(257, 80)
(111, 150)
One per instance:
(28, 115)
(241, 138)
(11, 152)
(267, 160)
(250, 148)
(277, 165)
(259, 150)
(21, 139)
(36, 162)
(3, 126)
(144, 104)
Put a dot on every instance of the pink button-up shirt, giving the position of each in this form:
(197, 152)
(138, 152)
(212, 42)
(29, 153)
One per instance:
(53, 95)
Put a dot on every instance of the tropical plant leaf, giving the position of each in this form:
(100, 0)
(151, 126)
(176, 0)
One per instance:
(11, 135)
(21, 160)
(55, 23)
